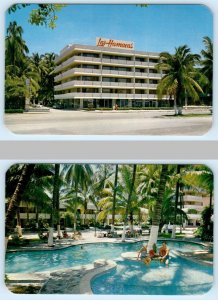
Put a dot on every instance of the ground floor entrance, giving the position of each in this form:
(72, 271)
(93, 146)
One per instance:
(110, 103)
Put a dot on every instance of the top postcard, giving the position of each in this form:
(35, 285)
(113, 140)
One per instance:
(96, 69)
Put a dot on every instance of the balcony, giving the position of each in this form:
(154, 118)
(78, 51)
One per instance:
(73, 71)
(148, 75)
(79, 83)
(196, 207)
(107, 96)
(192, 198)
(121, 62)
(80, 59)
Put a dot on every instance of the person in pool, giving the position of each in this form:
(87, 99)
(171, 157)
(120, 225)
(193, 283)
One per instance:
(142, 253)
(153, 252)
(164, 253)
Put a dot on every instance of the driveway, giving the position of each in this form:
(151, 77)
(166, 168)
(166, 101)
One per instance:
(62, 122)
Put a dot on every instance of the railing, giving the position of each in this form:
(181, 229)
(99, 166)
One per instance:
(192, 198)
(108, 95)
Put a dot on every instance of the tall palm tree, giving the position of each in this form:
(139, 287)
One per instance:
(55, 214)
(176, 200)
(128, 204)
(14, 201)
(207, 63)
(180, 75)
(77, 176)
(114, 198)
(158, 207)
(15, 47)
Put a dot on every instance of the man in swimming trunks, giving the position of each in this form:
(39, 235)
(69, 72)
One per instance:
(164, 253)
(142, 252)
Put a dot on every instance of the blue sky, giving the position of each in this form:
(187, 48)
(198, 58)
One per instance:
(154, 28)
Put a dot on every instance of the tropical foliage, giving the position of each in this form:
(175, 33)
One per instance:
(42, 15)
(26, 77)
(180, 77)
(127, 194)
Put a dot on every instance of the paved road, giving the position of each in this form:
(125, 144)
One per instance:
(107, 123)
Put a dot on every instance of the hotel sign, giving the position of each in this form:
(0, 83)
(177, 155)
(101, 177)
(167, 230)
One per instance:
(101, 42)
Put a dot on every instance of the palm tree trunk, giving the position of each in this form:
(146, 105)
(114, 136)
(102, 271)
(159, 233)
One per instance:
(129, 203)
(37, 218)
(57, 197)
(114, 199)
(19, 229)
(158, 207)
(14, 202)
(55, 205)
(176, 202)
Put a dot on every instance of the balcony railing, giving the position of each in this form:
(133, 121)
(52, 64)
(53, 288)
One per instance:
(73, 59)
(107, 96)
(192, 198)
(130, 85)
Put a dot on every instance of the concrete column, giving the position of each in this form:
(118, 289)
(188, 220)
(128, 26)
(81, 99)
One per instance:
(130, 103)
(113, 103)
(80, 103)
(143, 103)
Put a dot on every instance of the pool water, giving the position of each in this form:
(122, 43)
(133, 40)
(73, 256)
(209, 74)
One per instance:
(37, 261)
(181, 277)
(130, 277)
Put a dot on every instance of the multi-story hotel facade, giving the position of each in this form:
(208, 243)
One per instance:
(110, 73)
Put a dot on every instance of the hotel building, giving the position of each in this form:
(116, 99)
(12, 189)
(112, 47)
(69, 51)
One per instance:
(110, 73)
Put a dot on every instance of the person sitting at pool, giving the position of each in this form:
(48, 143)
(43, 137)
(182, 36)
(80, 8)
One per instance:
(65, 235)
(153, 252)
(142, 253)
(164, 253)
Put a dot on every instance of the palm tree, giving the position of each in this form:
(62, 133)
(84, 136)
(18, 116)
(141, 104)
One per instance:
(176, 200)
(128, 204)
(15, 47)
(180, 75)
(207, 63)
(114, 198)
(77, 176)
(14, 201)
(158, 207)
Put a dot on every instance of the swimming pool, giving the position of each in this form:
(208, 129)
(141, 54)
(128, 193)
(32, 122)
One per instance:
(130, 277)
(38, 261)
(182, 277)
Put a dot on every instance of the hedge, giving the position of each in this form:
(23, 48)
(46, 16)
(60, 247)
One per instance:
(14, 111)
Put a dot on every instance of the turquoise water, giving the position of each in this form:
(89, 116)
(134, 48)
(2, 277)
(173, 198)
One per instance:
(181, 277)
(36, 261)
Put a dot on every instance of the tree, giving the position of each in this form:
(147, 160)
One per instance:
(180, 76)
(207, 64)
(177, 195)
(43, 15)
(114, 198)
(158, 207)
(15, 199)
(77, 176)
(55, 214)
(15, 48)
(128, 204)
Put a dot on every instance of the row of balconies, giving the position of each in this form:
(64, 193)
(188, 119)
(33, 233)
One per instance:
(84, 71)
(82, 59)
(192, 198)
(79, 83)
(108, 96)
(81, 48)
(197, 207)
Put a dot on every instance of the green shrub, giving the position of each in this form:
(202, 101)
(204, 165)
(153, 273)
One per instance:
(14, 111)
